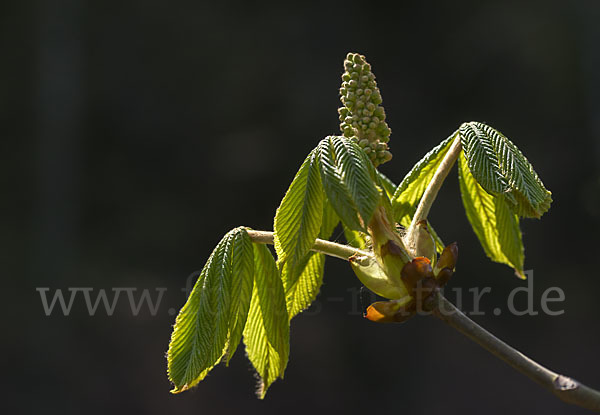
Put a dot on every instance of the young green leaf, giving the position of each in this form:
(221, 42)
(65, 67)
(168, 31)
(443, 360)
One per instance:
(298, 218)
(411, 189)
(356, 239)
(501, 169)
(330, 219)
(495, 225)
(241, 293)
(208, 324)
(308, 283)
(347, 176)
(387, 184)
(359, 239)
(266, 334)
(302, 282)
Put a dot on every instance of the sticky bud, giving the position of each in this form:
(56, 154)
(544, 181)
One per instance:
(396, 311)
(415, 271)
(370, 273)
(448, 258)
(444, 268)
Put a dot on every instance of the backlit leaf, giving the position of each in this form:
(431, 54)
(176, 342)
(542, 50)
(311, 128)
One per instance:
(501, 169)
(356, 239)
(348, 179)
(495, 225)
(298, 218)
(209, 323)
(243, 280)
(266, 334)
(303, 281)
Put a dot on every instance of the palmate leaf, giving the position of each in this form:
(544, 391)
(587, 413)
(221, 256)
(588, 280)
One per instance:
(494, 223)
(208, 325)
(348, 179)
(411, 189)
(266, 334)
(298, 218)
(501, 169)
(241, 293)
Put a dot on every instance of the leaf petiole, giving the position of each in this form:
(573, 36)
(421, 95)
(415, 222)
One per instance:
(434, 186)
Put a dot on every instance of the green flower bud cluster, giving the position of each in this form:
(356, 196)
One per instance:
(362, 118)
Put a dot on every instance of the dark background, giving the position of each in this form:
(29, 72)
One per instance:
(135, 134)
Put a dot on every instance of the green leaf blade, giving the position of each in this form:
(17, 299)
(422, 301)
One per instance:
(502, 169)
(202, 328)
(482, 158)
(495, 225)
(348, 180)
(304, 291)
(266, 334)
(387, 184)
(298, 218)
(243, 281)
(330, 219)
(356, 239)
(303, 281)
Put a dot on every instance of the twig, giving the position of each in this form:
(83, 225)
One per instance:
(565, 388)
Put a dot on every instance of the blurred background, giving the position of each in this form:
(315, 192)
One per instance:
(137, 133)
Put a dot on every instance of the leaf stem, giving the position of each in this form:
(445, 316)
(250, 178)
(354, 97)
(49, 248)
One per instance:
(565, 388)
(434, 186)
(325, 247)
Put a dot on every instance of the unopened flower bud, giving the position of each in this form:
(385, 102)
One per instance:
(361, 97)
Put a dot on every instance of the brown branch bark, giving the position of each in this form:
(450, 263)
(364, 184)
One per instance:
(564, 387)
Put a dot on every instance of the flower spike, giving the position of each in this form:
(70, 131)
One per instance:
(362, 117)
